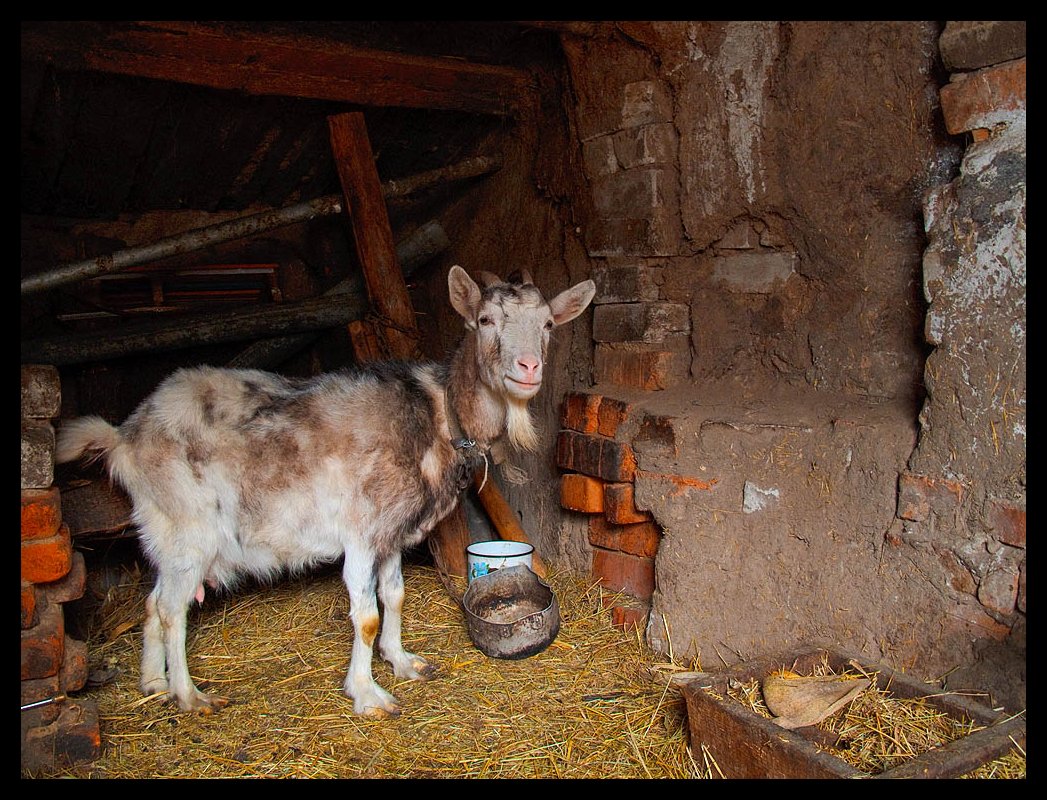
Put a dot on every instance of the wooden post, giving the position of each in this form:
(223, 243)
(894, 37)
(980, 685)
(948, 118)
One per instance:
(396, 337)
(374, 238)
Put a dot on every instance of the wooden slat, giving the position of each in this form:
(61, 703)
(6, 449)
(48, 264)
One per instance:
(269, 64)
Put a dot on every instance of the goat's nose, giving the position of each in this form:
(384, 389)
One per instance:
(530, 366)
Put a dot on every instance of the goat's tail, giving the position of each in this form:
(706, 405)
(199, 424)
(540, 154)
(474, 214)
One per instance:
(87, 437)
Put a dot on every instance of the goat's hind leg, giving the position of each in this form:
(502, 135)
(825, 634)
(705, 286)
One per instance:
(166, 613)
(391, 593)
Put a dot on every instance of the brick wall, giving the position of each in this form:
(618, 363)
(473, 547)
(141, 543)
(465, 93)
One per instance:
(56, 729)
(594, 448)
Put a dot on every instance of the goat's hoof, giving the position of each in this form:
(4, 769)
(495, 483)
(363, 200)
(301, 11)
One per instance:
(205, 704)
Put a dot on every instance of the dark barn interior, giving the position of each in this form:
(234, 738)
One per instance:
(795, 410)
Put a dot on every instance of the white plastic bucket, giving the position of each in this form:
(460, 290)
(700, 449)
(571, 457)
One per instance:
(486, 557)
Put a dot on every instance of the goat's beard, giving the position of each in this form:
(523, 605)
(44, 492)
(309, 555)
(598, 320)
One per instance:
(519, 425)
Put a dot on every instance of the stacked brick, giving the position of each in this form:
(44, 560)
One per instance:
(55, 729)
(642, 341)
(593, 448)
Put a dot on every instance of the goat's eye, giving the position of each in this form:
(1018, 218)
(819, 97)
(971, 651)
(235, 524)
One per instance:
(486, 320)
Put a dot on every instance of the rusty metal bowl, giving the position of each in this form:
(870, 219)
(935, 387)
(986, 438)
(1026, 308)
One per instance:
(511, 613)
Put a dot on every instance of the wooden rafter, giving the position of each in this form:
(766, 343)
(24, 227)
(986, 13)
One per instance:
(270, 64)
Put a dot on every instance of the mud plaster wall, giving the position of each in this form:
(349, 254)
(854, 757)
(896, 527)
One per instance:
(755, 221)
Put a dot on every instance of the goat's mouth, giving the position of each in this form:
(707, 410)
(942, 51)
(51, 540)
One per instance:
(522, 388)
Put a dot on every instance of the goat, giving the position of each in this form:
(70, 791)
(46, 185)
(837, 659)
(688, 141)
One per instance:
(236, 472)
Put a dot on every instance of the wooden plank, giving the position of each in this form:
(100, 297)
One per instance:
(219, 57)
(371, 232)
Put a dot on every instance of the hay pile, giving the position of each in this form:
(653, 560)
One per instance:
(593, 705)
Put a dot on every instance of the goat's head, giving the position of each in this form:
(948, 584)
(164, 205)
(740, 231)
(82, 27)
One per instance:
(511, 321)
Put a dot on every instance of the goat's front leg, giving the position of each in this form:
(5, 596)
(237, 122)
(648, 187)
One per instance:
(391, 592)
(369, 699)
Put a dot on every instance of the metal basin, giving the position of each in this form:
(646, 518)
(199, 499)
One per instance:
(511, 614)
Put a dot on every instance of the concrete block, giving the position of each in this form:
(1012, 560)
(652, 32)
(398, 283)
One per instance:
(38, 454)
(41, 391)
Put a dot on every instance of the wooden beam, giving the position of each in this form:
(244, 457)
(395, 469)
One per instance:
(386, 287)
(220, 57)
(191, 330)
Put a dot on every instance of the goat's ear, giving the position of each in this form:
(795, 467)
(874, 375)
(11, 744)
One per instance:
(489, 279)
(570, 303)
(465, 294)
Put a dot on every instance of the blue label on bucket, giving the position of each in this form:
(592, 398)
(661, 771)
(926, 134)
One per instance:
(478, 569)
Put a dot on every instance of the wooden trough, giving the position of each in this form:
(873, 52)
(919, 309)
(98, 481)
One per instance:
(745, 744)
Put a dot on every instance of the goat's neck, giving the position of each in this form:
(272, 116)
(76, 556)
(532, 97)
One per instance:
(481, 412)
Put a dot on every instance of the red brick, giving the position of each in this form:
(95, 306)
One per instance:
(918, 495)
(43, 645)
(580, 412)
(34, 691)
(581, 493)
(983, 98)
(621, 572)
(638, 539)
(73, 738)
(611, 415)
(73, 674)
(71, 586)
(629, 618)
(46, 560)
(596, 456)
(41, 512)
(629, 614)
(972, 619)
(28, 605)
(1008, 523)
(620, 506)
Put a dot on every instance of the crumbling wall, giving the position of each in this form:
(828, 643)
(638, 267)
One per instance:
(755, 220)
(962, 498)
